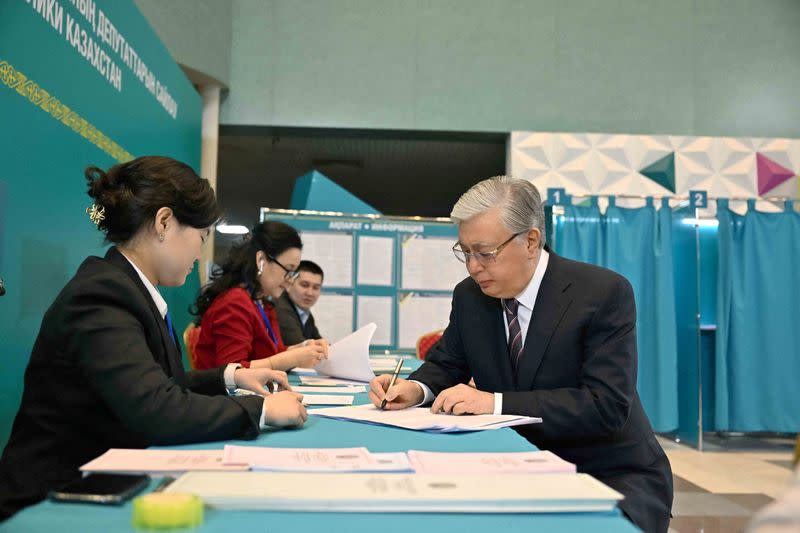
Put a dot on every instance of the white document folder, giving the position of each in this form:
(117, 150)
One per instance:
(270, 491)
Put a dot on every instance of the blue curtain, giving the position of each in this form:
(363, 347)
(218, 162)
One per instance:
(636, 243)
(758, 317)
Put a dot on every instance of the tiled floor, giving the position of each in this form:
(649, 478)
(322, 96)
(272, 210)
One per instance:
(719, 490)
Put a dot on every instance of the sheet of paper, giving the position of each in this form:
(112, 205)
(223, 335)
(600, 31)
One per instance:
(318, 381)
(428, 264)
(334, 253)
(383, 368)
(122, 461)
(419, 315)
(541, 462)
(348, 358)
(299, 459)
(299, 370)
(396, 492)
(348, 389)
(421, 419)
(377, 309)
(391, 462)
(375, 261)
(333, 314)
(327, 399)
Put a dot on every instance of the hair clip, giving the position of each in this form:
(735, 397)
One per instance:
(97, 213)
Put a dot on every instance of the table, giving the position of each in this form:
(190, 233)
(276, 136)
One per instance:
(48, 517)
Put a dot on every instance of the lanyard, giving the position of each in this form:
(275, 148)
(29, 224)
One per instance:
(266, 323)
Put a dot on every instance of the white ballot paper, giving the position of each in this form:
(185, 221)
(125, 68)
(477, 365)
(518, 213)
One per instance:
(327, 399)
(314, 459)
(157, 462)
(421, 419)
(543, 462)
(344, 389)
(422, 493)
(318, 381)
(302, 371)
(382, 365)
(348, 358)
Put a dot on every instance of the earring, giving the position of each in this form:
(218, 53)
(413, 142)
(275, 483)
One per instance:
(161, 236)
(260, 268)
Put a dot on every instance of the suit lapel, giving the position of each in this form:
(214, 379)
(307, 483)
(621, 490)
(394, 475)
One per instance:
(170, 355)
(551, 303)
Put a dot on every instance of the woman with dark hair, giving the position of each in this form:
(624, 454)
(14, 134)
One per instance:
(236, 324)
(105, 371)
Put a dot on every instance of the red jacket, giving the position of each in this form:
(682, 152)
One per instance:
(232, 330)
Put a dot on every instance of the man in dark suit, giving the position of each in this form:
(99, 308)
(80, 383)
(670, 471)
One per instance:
(294, 306)
(543, 336)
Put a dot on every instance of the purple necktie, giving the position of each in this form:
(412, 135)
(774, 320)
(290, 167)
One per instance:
(514, 333)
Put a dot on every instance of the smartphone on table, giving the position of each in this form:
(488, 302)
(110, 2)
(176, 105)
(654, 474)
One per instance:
(109, 489)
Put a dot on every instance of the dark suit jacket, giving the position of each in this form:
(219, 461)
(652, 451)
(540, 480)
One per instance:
(292, 329)
(105, 373)
(578, 372)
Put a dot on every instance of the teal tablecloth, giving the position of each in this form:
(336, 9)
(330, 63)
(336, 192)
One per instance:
(48, 517)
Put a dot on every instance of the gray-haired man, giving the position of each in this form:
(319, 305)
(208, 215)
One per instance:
(543, 336)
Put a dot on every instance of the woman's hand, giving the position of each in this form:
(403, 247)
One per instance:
(261, 380)
(285, 409)
(307, 356)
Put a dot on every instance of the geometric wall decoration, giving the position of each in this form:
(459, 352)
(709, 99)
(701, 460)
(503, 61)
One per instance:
(655, 165)
(662, 172)
(770, 174)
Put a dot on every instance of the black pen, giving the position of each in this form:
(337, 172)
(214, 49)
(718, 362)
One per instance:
(394, 378)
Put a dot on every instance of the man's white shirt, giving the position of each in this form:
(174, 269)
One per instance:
(527, 300)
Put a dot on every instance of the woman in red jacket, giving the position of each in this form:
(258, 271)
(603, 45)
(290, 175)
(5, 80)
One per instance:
(236, 324)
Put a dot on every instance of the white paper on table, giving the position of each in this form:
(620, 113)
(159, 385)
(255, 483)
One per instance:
(344, 389)
(541, 462)
(333, 315)
(421, 419)
(375, 260)
(349, 357)
(319, 381)
(335, 252)
(391, 462)
(380, 368)
(302, 371)
(418, 315)
(428, 264)
(136, 461)
(327, 399)
(312, 459)
(376, 309)
(396, 492)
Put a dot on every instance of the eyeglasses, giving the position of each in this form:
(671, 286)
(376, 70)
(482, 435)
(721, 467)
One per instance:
(290, 274)
(484, 258)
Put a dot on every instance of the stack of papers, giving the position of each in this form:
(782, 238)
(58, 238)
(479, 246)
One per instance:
(318, 381)
(158, 462)
(270, 491)
(421, 419)
(383, 365)
(327, 399)
(544, 462)
(344, 389)
(315, 459)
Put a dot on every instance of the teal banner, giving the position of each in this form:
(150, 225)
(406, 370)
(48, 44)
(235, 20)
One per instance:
(82, 82)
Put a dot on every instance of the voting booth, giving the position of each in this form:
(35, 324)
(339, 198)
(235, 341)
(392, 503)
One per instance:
(398, 272)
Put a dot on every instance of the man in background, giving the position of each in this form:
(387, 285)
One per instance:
(294, 306)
